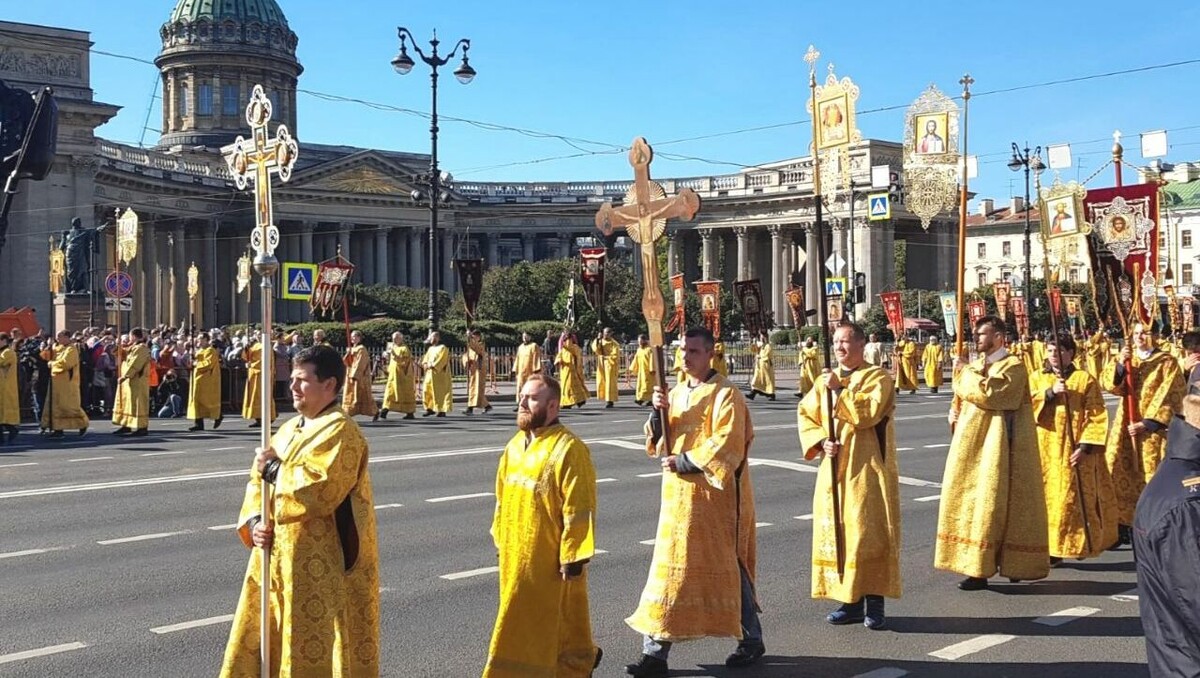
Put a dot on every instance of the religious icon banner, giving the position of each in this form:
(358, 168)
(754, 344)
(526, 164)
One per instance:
(1173, 311)
(58, 268)
(244, 268)
(193, 281)
(1124, 251)
(677, 317)
(749, 296)
(470, 278)
(592, 273)
(795, 300)
(1002, 291)
(127, 235)
(976, 309)
(893, 307)
(330, 288)
(1074, 304)
(710, 304)
(1055, 300)
(1189, 320)
(1019, 316)
(950, 311)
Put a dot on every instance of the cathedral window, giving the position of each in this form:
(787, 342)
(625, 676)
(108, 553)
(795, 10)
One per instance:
(229, 99)
(183, 99)
(204, 99)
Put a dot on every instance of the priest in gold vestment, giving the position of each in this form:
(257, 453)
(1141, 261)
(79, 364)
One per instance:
(528, 362)
(808, 358)
(1135, 448)
(544, 528)
(904, 354)
(63, 411)
(643, 368)
(992, 515)
(1099, 353)
(476, 362)
(438, 387)
(864, 451)
(570, 368)
(10, 407)
(1059, 385)
(324, 609)
(204, 395)
(701, 581)
(719, 363)
(763, 379)
(251, 398)
(357, 397)
(400, 392)
(932, 358)
(608, 367)
(131, 411)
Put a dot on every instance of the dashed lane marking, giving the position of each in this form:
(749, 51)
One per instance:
(26, 463)
(806, 516)
(934, 497)
(605, 480)
(40, 652)
(142, 537)
(226, 449)
(977, 644)
(648, 542)
(763, 524)
(885, 672)
(650, 475)
(904, 449)
(1066, 616)
(1130, 596)
(383, 506)
(626, 444)
(456, 497)
(32, 552)
(72, 461)
(196, 623)
(470, 573)
(217, 528)
(162, 454)
(806, 468)
(936, 446)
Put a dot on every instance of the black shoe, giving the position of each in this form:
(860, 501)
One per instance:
(140, 433)
(254, 424)
(383, 413)
(198, 426)
(933, 390)
(913, 392)
(609, 405)
(1125, 535)
(410, 415)
(55, 434)
(973, 584)
(798, 394)
(487, 409)
(637, 402)
(772, 397)
(745, 655)
(124, 430)
(599, 656)
(648, 667)
(874, 617)
(1055, 561)
(469, 410)
(752, 394)
(580, 404)
(428, 413)
(516, 409)
(82, 432)
(217, 422)
(441, 414)
(847, 613)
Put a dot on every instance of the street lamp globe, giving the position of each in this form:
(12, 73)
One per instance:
(465, 73)
(403, 63)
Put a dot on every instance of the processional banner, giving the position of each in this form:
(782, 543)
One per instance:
(592, 273)
(1123, 248)
(976, 309)
(470, 278)
(677, 315)
(330, 288)
(950, 311)
(1074, 304)
(893, 307)
(1019, 316)
(710, 304)
(58, 268)
(749, 296)
(1002, 292)
(1189, 320)
(795, 300)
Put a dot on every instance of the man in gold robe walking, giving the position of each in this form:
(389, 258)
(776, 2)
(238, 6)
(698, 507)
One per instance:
(1135, 448)
(476, 362)
(992, 515)
(358, 398)
(932, 358)
(701, 581)
(251, 398)
(808, 358)
(763, 380)
(864, 452)
(400, 392)
(438, 388)
(63, 411)
(1097, 354)
(131, 413)
(1056, 387)
(528, 363)
(608, 367)
(204, 396)
(643, 368)
(904, 355)
(10, 406)
(544, 529)
(324, 584)
(570, 368)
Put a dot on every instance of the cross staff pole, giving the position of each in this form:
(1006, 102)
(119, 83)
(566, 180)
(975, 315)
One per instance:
(823, 315)
(963, 196)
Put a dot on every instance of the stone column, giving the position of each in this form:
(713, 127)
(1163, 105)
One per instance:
(777, 276)
(527, 240)
(181, 259)
(306, 241)
(493, 249)
(399, 273)
(729, 264)
(416, 262)
(382, 274)
(564, 245)
(812, 274)
(672, 253)
(690, 261)
(343, 237)
(708, 254)
(745, 263)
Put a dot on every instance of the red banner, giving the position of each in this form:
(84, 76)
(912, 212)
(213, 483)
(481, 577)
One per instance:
(1055, 301)
(795, 300)
(470, 278)
(1003, 291)
(1188, 319)
(1019, 316)
(592, 274)
(710, 304)
(893, 307)
(330, 287)
(1124, 251)
(749, 295)
(976, 309)
(677, 318)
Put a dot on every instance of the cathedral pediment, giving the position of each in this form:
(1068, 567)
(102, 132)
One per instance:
(358, 180)
(362, 173)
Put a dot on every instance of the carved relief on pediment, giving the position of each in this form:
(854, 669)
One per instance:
(33, 65)
(359, 180)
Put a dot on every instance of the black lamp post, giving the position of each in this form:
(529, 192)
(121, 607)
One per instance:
(403, 63)
(1022, 158)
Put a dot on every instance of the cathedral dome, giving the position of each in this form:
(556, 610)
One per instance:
(216, 11)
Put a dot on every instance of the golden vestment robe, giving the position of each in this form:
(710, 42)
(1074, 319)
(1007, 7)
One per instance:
(1159, 387)
(643, 367)
(570, 371)
(993, 509)
(475, 360)
(933, 356)
(132, 407)
(809, 360)
(529, 362)
(251, 407)
(706, 521)
(204, 393)
(1098, 355)
(608, 369)
(64, 411)
(545, 518)
(438, 389)
(1089, 423)
(868, 480)
(357, 397)
(677, 366)
(764, 371)
(324, 558)
(906, 365)
(718, 361)
(399, 395)
(10, 407)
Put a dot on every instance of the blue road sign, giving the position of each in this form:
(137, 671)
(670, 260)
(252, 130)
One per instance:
(298, 280)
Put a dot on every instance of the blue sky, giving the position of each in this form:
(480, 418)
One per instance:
(612, 70)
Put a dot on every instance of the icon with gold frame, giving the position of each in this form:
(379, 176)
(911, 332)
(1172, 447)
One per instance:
(1061, 207)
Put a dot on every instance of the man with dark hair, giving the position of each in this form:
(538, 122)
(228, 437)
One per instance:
(544, 531)
(701, 581)
(763, 380)
(1190, 343)
(325, 558)
(993, 510)
(131, 413)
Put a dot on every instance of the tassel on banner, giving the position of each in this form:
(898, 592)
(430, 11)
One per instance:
(677, 317)
(710, 305)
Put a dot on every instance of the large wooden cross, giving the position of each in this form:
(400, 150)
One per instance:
(256, 159)
(644, 216)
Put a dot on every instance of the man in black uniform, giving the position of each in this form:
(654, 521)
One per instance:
(1166, 542)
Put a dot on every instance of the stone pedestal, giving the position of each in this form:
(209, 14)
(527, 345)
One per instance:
(72, 312)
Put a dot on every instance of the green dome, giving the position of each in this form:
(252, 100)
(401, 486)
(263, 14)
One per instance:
(242, 11)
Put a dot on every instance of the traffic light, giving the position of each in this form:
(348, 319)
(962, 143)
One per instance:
(860, 287)
(31, 124)
(895, 189)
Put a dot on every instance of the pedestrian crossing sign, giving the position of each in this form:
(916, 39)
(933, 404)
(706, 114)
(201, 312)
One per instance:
(298, 280)
(835, 287)
(880, 207)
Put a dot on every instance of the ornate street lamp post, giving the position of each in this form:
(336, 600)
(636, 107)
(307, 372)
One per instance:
(1022, 158)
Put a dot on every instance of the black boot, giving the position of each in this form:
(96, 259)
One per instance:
(648, 667)
(217, 422)
(124, 430)
(752, 394)
(428, 413)
(470, 410)
(846, 613)
(198, 426)
(487, 408)
(410, 415)
(973, 584)
(609, 405)
(874, 618)
(383, 413)
(140, 433)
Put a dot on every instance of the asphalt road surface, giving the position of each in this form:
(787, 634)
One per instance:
(119, 558)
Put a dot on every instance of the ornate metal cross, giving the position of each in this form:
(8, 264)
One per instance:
(257, 159)
(644, 216)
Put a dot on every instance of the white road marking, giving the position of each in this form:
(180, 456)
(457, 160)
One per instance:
(383, 506)
(934, 497)
(937, 446)
(806, 516)
(456, 497)
(626, 444)
(650, 475)
(977, 644)
(904, 449)
(216, 528)
(763, 524)
(142, 537)
(470, 573)
(405, 435)
(1130, 596)
(27, 463)
(885, 672)
(41, 652)
(71, 461)
(162, 454)
(197, 623)
(806, 468)
(1066, 616)
(648, 542)
(32, 552)
(623, 421)
(225, 449)
(605, 480)
(65, 489)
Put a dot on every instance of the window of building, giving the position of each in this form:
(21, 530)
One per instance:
(204, 99)
(1073, 276)
(1186, 274)
(1185, 238)
(983, 281)
(1006, 248)
(1006, 276)
(183, 99)
(1162, 241)
(229, 100)
(982, 250)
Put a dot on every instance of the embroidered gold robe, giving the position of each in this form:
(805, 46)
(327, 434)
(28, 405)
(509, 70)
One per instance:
(10, 407)
(1159, 388)
(570, 370)
(545, 518)
(324, 558)
(608, 369)
(1098, 355)
(677, 366)
(356, 392)
(763, 380)
(399, 395)
(132, 407)
(993, 509)
(809, 359)
(529, 362)
(438, 388)
(64, 411)
(475, 361)
(718, 362)
(1089, 423)
(706, 520)
(933, 356)
(251, 405)
(905, 355)
(868, 482)
(204, 392)
(643, 368)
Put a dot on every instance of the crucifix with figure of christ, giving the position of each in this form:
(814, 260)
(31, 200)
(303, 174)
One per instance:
(644, 216)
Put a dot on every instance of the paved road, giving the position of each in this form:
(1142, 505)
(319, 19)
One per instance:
(119, 559)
